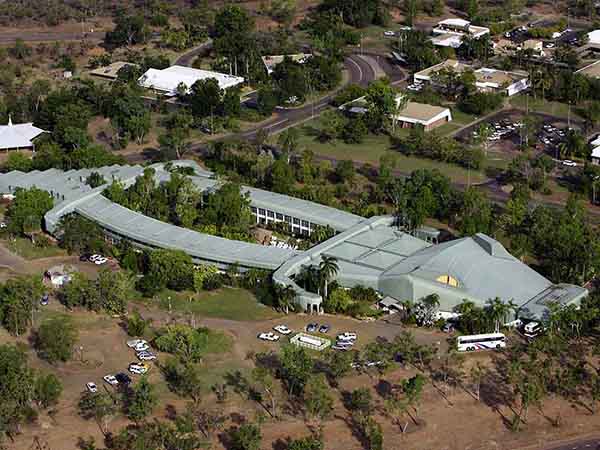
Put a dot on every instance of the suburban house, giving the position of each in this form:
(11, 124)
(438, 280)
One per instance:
(19, 136)
(486, 79)
(111, 72)
(428, 116)
(450, 32)
(168, 81)
(272, 61)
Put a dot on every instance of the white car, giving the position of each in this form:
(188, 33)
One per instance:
(100, 261)
(347, 336)
(270, 336)
(110, 379)
(282, 329)
(91, 387)
(146, 356)
(389, 33)
(2, 225)
(569, 163)
(141, 347)
(134, 342)
(95, 257)
(138, 368)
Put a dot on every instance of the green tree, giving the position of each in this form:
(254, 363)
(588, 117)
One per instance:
(317, 398)
(296, 367)
(26, 211)
(361, 401)
(136, 324)
(380, 100)
(246, 437)
(129, 30)
(95, 180)
(171, 268)
(18, 161)
(20, 297)
(228, 208)
(306, 443)
(80, 291)
(99, 406)
(114, 288)
(266, 385)
(328, 269)
(16, 388)
(141, 400)
(186, 342)
(475, 215)
(56, 338)
(48, 389)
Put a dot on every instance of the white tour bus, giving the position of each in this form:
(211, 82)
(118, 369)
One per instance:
(473, 342)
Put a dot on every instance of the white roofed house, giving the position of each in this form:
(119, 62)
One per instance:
(167, 81)
(19, 136)
(450, 32)
(428, 116)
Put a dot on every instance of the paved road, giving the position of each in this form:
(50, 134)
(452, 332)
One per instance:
(187, 58)
(50, 36)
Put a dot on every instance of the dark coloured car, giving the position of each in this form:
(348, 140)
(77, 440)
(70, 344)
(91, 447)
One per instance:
(324, 328)
(45, 300)
(123, 378)
(312, 327)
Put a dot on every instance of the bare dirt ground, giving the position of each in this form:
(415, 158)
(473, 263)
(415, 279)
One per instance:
(452, 421)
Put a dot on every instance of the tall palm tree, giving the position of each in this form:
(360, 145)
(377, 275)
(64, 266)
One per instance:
(285, 297)
(484, 132)
(399, 104)
(328, 269)
(498, 310)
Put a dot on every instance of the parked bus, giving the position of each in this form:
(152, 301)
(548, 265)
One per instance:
(474, 342)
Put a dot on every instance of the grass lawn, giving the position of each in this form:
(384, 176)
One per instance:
(24, 247)
(225, 303)
(462, 118)
(373, 147)
(543, 106)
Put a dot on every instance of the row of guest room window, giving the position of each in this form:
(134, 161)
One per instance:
(297, 226)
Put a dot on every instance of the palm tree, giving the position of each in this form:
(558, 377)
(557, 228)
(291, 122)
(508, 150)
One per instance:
(484, 133)
(399, 105)
(285, 297)
(328, 269)
(498, 310)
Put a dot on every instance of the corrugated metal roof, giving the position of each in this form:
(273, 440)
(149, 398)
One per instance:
(152, 232)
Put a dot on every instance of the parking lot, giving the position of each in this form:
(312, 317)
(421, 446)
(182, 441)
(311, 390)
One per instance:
(508, 132)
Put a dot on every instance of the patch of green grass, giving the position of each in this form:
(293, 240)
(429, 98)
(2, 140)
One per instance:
(462, 118)
(543, 106)
(25, 248)
(225, 303)
(218, 342)
(375, 146)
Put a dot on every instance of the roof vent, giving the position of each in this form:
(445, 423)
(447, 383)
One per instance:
(491, 246)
